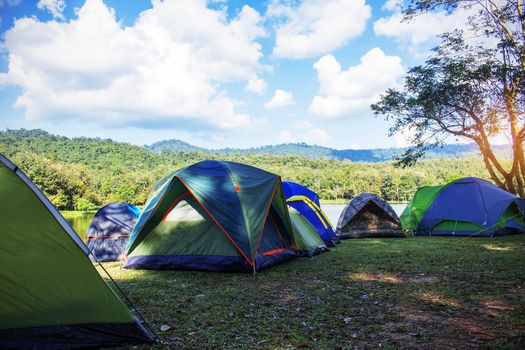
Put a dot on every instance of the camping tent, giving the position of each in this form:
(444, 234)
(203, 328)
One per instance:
(368, 215)
(465, 207)
(307, 241)
(215, 216)
(417, 207)
(109, 232)
(306, 202)
(51, 296)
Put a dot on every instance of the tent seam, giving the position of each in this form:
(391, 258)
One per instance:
(265, 219)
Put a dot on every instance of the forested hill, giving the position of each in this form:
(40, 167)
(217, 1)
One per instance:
(86, 173)
(174, 146)
(314, 151)
(81, 150)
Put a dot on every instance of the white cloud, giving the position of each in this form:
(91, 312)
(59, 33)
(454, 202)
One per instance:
(165, 69)
(421, 29)
(316, 27)
(10, 3)
(391, 5)
(420, 34)
(280, 99)
(303, 131)
(54, 7)
(350, 92)
(404, 137)
(256, 85)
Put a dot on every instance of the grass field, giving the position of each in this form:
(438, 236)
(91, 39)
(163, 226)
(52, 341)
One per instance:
(423, 293)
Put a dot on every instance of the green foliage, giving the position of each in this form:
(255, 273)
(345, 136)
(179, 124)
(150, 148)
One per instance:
(452, 94)
(84, 174)
(84, 204)
(468, 88)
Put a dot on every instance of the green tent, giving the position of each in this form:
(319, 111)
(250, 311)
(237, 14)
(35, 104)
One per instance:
(307, 240)
(51, 296)
(465, 207)
(213, 216)
(417, 207)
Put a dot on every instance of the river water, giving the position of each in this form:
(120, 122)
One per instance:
(80, 220)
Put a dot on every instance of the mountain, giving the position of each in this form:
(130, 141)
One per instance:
(174, 146)
(93, 152)
(84, 150)
(314, 151)
(83, 173)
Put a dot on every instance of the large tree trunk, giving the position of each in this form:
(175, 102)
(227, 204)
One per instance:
(515, 173)
(513, 180)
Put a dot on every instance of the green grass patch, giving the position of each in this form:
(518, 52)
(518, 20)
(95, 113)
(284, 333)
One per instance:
(422, 292)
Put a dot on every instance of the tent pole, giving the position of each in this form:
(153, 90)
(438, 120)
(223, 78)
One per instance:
(126, 298)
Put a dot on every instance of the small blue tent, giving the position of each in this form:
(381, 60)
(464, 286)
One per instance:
(368, 215)
(306, 202)
(109, 232)
(473, 207)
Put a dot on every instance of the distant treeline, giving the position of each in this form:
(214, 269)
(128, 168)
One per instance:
(301, 149)
(86, 173)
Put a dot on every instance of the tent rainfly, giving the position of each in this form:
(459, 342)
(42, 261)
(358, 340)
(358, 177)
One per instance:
(306, 202)
(368, 215)
(52, 297)
(307, 241)
(109, 232)
(213, 216)
(465, 207)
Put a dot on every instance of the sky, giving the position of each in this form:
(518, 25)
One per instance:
(212, 73)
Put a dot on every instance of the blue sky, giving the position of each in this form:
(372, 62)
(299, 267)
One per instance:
(212, 73)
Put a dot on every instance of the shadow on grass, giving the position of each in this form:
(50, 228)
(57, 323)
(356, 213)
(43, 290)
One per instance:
(422, 292)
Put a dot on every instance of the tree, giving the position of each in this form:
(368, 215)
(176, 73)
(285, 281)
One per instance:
(59, 199)
(83, 204)
(469, 88)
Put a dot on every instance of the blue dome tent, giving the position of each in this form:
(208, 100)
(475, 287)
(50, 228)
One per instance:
(109, 232)
(306, 202)
(467, 207)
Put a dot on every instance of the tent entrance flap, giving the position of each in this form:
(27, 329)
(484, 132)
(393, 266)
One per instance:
(186, 230)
